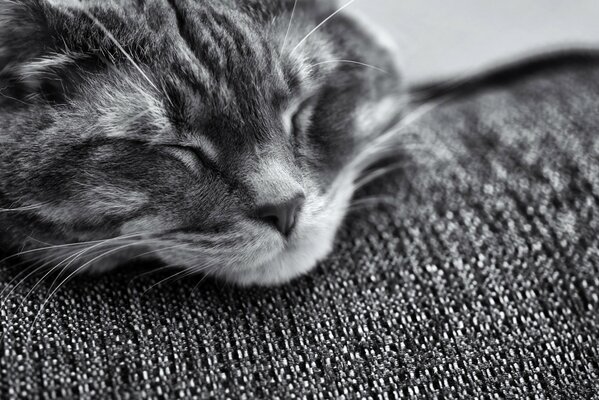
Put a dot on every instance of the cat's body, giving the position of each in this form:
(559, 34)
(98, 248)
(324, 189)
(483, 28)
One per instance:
(221, 136)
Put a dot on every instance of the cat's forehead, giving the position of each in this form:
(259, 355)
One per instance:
(220, 60)
(217, 70)
(223, 51)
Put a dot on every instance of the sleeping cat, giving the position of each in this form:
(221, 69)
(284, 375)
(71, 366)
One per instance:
(221, 136)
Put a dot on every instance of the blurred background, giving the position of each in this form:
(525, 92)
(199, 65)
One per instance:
(440, 38)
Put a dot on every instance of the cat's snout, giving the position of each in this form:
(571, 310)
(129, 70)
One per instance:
(282, 215)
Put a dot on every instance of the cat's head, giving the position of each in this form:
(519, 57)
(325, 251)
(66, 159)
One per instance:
(220, 136)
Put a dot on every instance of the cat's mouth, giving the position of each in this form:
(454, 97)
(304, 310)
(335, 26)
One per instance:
(256, 254)
(299, 253)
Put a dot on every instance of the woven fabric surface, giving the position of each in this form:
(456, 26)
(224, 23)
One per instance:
(479, 280)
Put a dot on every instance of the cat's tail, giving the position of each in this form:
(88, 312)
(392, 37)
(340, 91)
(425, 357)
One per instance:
(502, 75)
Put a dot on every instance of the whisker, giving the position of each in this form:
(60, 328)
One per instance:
(60, 246)
(21, 209)
(380, 146)
(350, 62)
(366, 179)
(375, 200)
(36, 270)
(197, 285)
(12, 281)
(163, 281)
(15, 99)
(152, 272)
(110, 36)
(380, 142)
(162, 249)
(289, 27)
(72, 258)
(72, 274)
(156, 270)
(350, 2)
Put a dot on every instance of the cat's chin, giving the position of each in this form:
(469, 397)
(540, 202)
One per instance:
(293, 262)
(310, 244)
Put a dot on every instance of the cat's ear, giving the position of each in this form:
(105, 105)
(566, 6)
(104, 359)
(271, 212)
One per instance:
(32, 55)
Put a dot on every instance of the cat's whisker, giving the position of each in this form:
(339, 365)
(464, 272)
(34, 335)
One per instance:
(75, 272)
(301, 42)
(407, 121)
(27, 271)
(350, 62)
(36, 270)
(67, 245)
(22, 303)
(169, 266)
(289, 27)
(152, 272)
(381, 147)
(14, 99)
(163, 281)
(131, 242)
(375, 200)
(110, 36)
(22, 209)
(202, 280)
(72, 258)
(179, 246)
(38, 250)
(378, 173)
(45, 276)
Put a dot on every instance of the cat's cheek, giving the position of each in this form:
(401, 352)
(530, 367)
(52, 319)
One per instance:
(373, 118)
(147, 225)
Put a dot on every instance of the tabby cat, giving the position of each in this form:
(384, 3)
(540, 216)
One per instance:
(222, 136)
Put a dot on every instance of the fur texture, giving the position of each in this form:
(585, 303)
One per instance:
(156, 128)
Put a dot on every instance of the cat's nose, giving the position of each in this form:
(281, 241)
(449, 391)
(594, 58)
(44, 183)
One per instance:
(282, 215)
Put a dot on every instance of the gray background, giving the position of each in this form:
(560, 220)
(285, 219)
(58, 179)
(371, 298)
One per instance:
(442, 37)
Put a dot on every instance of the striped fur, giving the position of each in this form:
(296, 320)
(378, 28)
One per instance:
(171, 121)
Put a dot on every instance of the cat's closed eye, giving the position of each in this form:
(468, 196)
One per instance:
(193, 158)
(223, 136)
(301, 116)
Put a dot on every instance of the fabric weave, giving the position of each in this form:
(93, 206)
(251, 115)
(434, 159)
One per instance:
(479, 280)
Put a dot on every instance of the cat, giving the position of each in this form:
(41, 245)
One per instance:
(225, 137)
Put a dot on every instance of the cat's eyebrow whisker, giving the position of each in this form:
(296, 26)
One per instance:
(350, 62)
(119, 46)
(350, 2)
(289, 27)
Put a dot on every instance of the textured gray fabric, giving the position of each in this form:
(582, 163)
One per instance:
(480, 281)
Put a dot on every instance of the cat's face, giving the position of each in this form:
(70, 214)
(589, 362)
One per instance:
(214, 135)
